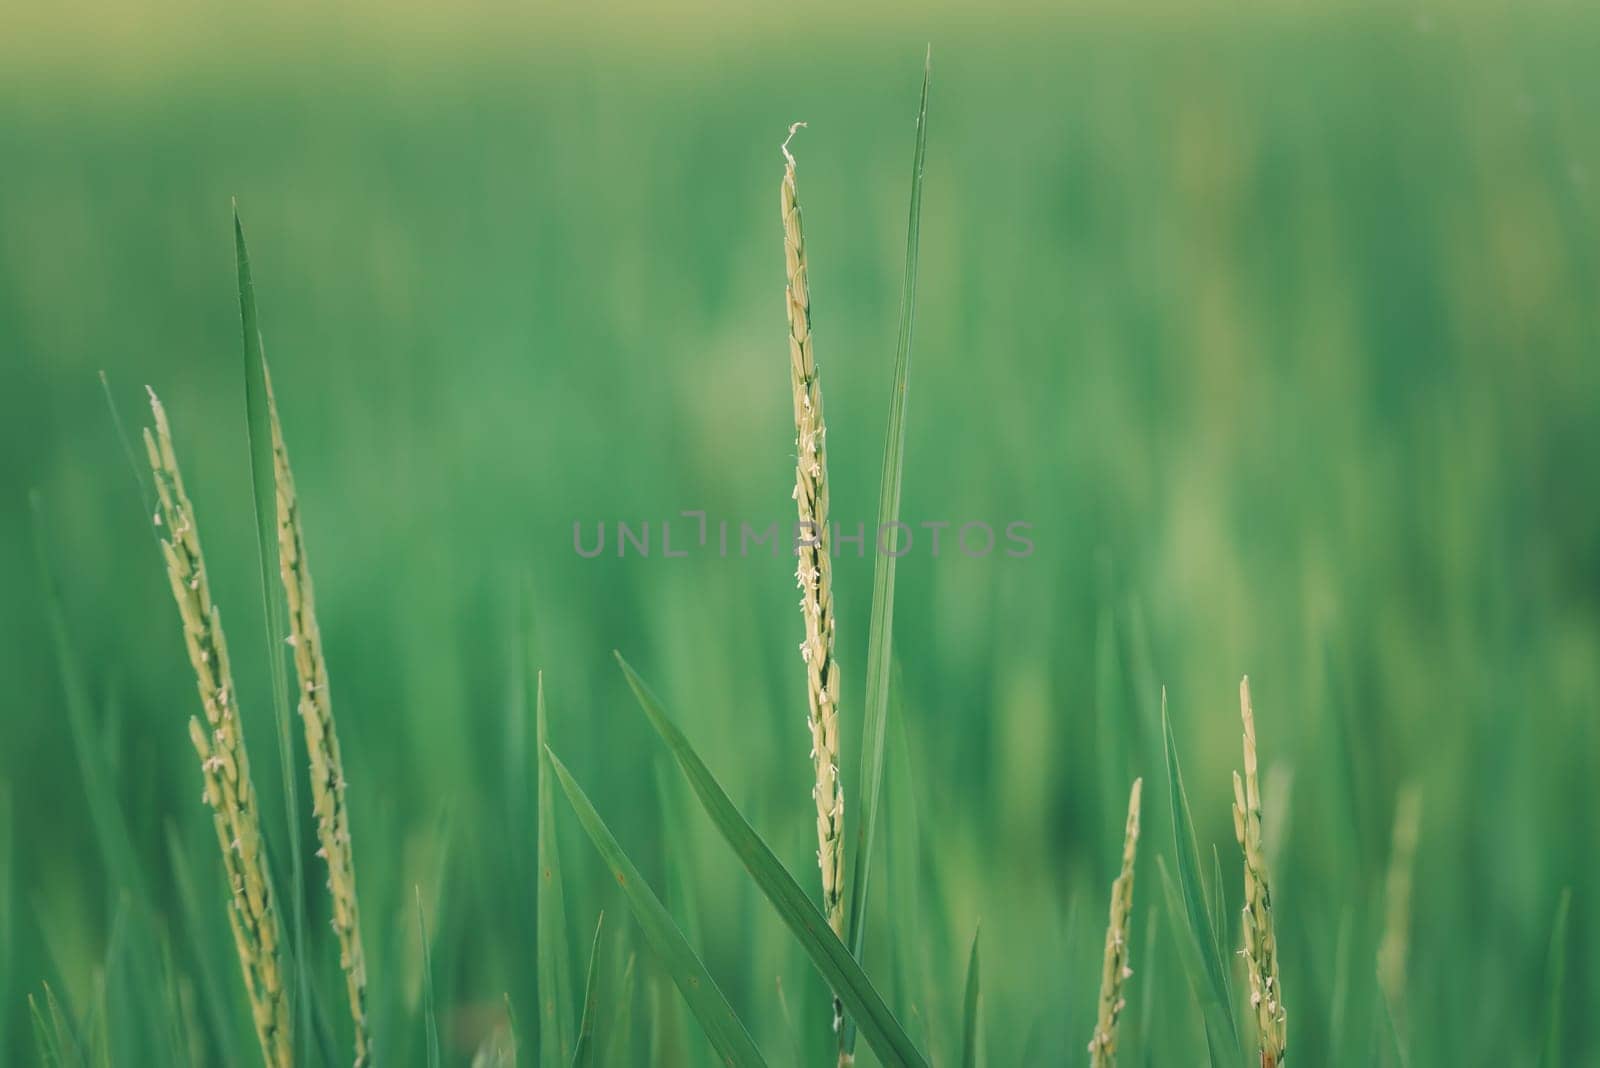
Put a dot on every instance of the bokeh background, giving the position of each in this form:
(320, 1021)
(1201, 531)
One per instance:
(1279, 323)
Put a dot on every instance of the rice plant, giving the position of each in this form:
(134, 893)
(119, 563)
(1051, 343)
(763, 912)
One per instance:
(1260, 939)
(315, 702)
(1115, 970)
(1128, 243)
(224, 763)
(813, 547)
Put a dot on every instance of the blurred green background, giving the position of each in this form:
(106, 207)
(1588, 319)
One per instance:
(1279, 325)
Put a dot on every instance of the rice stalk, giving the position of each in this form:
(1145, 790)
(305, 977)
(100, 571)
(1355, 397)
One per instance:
(1260, 944)
(220, 742)
(814, 573)
(322, 737)
(1115, 971)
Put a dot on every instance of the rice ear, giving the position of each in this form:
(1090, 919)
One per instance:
(814, 564)
(315, 705)
(219, 742)
(1260, 943)
(1115, 971)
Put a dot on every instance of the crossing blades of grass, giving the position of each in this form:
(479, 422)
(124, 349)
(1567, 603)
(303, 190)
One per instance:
(883, 1032)
(1190, 911)
(875, 710)
(583, 1050)
(969, 1014)
(554, 964)
(733, 1043)
(258, 420)
(53, 1034)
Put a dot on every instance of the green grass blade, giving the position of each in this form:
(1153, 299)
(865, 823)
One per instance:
(430, 1012)
(54, 1032)
(1192, 953)
(583, 1050)
(141, 473)
(880, 635)
(1392, 1041)
(105, 811)
(907, 878)
(8, 934)
(1146, 1030)
(512, 1030)
(263, 481)
(706, 1000)
(554, 964)
(1219, 921)
(887, 1038)
(1555, 984)
(44, 1036)
(180, 1027)
(1339, 986)
(969, 1014)
(619, 1044)
(679, 892)
(97, 780)
(196, 921)
(1213, 991)
(796, 1047)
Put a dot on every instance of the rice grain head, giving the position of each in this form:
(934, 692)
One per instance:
(814, 571)
(322, 738)
(219, 740)
(1260, 945)
(1115, 972)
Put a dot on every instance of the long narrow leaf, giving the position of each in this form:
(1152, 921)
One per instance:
(619, 1045)
(105, 811)
(1219, 920)
(583, 1051)
(97, 779)
(969, 1014)
(1555, 983)
(1392, 1041)
(1213, 992)
(195, 922)
(45, 1042)
(430, 1011)
(706, 1000)
(880, 635)
(554, 963)
(1191, 953)
(8, 935)
(849, 983)
(55, 1033)
(141, 474)
(263, 481)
